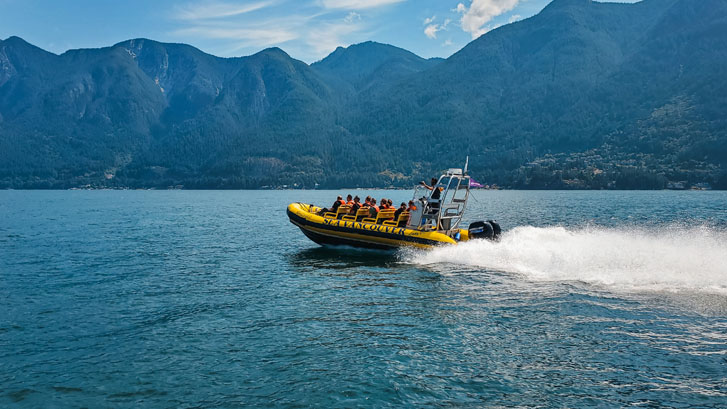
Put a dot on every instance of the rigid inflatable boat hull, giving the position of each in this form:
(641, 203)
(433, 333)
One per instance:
(329, 231)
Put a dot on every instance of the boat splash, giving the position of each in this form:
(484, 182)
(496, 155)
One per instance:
(671, 258)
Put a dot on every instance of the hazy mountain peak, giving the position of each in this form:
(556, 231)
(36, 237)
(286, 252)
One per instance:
(361, 65)
(274, 51)
(16, 40)
(367, 49)
(568, 3)
(145, 44)
(17, 55)
(19, 43)
(134, 42)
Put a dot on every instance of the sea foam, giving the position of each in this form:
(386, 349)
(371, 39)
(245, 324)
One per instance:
(673, 258)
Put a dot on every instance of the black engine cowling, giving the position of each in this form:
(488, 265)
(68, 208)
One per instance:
(481, 230)
(489, 230)
(495, 229)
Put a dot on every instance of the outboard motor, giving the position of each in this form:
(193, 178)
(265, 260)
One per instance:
(489, 230)
(481, 230)
(496, 230)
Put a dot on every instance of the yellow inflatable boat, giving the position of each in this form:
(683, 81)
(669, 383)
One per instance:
(435, 221)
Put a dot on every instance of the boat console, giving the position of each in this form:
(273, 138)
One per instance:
(443, 213)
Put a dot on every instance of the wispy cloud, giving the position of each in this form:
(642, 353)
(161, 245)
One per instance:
(432, 29)
(429, 20)
(324, 38)
(351, 17)
(215, 10)
(243, 36)
(234, 35)
(309, 29)
(480, 12)
(311, 36)
(357, 4)
(514, 18)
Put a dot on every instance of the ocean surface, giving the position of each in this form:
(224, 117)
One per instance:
(197, 299)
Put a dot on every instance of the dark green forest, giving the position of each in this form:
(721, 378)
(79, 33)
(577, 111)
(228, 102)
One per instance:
(584, 95)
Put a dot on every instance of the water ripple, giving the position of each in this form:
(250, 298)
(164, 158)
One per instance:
(165, 299)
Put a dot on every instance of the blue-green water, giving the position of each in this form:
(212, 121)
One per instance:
(182, 299)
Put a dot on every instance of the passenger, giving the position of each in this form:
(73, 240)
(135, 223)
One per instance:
(339, 201)
(373, 209)
(385, 205)
(359, 206)
(411, 207)
(391, 204)
(356, 205)
(402, 208)
(349, 200)
(367, 202)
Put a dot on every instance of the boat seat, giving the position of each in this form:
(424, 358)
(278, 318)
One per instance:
(360, 214)
(383, 215)
(401, 221)
(340, 212)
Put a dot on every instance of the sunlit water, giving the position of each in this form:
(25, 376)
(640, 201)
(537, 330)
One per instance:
(213, 299)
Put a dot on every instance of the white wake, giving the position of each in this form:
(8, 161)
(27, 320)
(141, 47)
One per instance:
(666, 259)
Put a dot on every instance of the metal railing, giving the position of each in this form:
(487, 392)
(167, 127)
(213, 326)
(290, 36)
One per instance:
(444, 214)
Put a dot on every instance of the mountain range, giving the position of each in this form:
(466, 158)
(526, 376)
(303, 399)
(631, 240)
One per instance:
(581, 95)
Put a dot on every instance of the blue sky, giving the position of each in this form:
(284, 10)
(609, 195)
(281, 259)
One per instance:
(306, 29)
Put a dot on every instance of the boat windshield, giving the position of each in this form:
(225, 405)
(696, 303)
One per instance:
(420, 193)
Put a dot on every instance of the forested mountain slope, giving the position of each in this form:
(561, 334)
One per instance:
(582, 95)
(583, 90)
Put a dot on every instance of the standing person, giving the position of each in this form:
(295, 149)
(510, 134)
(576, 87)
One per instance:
(435, 192)
(435, 195)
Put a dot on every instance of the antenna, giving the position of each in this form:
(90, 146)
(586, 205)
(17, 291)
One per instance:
(466, 163)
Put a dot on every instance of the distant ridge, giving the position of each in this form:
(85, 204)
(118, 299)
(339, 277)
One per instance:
(371, 64)
(582, 95)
